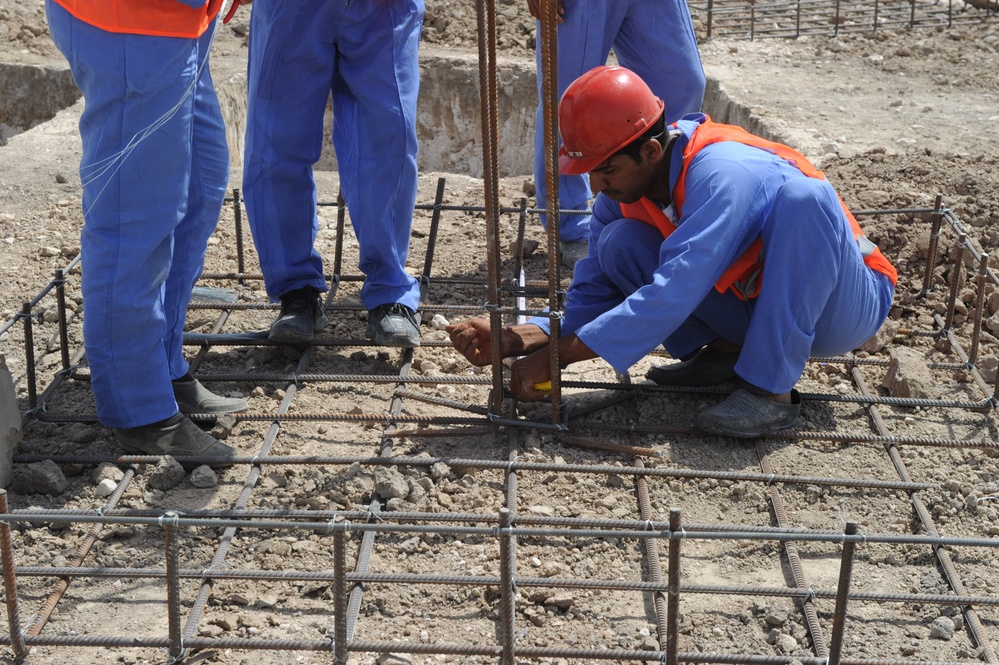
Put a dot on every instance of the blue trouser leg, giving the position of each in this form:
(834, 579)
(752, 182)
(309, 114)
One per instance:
(628, 252)
(817, 296)
(375, 88)
(366, 54)
(289, 73)
(644, 34)
(150, 201)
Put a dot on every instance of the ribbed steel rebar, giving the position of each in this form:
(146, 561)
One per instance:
(794, 561)
(842, 597)
(10, 585)
(943, 557)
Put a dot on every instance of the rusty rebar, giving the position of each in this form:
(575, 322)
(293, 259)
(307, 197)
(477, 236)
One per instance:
(10, 584)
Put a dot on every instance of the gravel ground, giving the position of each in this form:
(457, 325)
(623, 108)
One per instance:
(893, 118)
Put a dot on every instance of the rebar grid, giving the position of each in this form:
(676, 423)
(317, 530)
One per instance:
(658, 527)
(790, 19)
(648, 529)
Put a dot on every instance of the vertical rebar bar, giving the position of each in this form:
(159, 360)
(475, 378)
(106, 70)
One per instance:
(842, 594)
(237, 212)
(711, 15)
(169, 522)
(955, 281)
(485, 13)
(549, 97)
(339, 596)
(673, 589)
(60, 282)
(10, 584)
(341, 217)
(508, 591)
(931, 253)
(29, 355)
(836, 20)
(979, 313)
(435, 221)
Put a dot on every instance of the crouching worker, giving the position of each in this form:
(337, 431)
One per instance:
(732, 251)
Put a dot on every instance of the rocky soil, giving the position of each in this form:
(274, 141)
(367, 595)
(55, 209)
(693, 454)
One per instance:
(894, 118)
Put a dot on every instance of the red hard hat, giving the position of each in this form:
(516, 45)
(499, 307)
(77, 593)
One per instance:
(602, 111)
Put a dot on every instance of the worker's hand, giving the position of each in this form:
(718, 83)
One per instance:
(534, 6)
(473, 339)
(530, 377)
(232, 10)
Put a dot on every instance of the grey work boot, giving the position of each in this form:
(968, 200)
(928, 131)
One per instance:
(177, 436)
(193, 397)
(747, 416)
(393, 324)
(571, 251)
(302, 314)
(705, 368)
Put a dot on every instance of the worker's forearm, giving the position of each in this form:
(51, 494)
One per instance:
(521, 339)
(572, 350)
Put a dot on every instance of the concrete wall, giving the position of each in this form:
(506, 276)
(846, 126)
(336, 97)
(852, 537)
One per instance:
(30, 95)
(448, 115)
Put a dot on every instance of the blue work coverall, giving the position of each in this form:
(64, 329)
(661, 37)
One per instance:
(653, 38)
(636, 290)
(155, 169)
(365, 53)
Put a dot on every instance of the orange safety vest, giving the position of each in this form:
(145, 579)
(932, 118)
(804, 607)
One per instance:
(159, 18)
(743, 277)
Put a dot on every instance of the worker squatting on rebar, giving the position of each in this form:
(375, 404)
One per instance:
(731, 251)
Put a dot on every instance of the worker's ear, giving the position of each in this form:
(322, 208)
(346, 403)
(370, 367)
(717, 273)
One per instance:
(652, 151)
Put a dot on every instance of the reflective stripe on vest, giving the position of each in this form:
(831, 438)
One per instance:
(743, 276)
(159, 18)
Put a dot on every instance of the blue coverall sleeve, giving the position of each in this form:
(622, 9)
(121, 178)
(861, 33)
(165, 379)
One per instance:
(722, 214)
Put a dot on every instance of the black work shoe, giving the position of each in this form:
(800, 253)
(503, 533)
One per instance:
(705, 368)
(747, 416)
(302, 314)
(193, 397)
(571, 251)
(393, 324)
(177, 436)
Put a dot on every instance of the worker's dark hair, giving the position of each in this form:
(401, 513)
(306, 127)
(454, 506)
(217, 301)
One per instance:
(655, 132)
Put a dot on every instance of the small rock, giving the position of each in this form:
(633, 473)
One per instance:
(167, 474)
(105, 488)
(43, 477)
(439, 322)
(203, 476)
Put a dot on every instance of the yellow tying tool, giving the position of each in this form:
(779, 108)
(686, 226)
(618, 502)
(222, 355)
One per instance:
(545, 387)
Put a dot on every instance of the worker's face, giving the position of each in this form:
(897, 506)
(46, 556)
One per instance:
(622, 179)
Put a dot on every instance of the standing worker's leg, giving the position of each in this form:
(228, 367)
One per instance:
(207, 186)
(136, 185)
(290, 65)
(657, 42)
(584, 41)
(375, 90)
